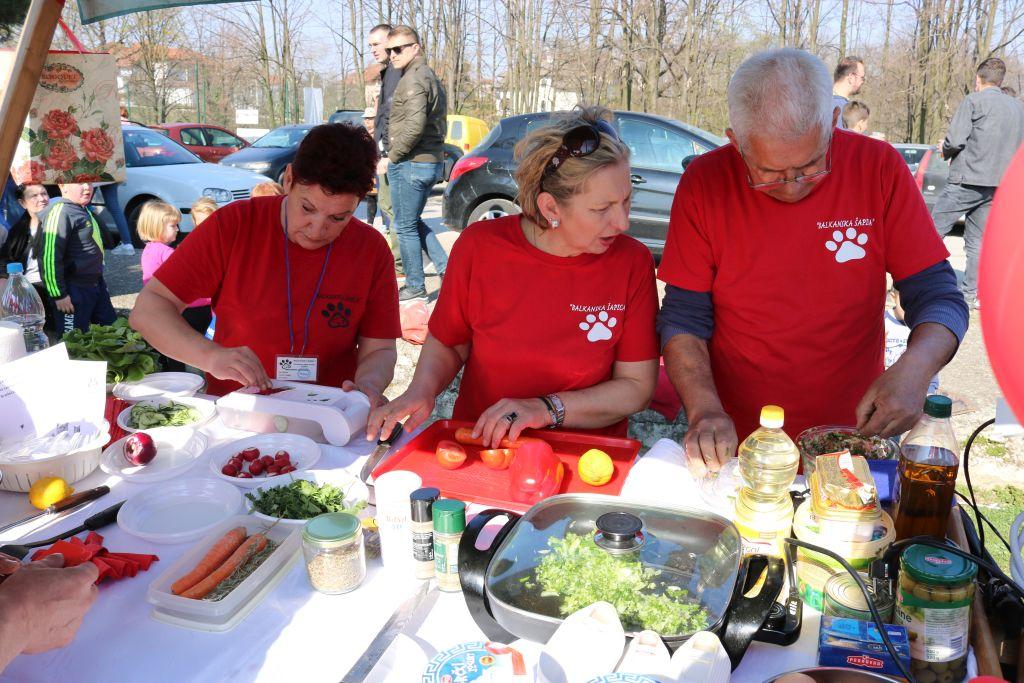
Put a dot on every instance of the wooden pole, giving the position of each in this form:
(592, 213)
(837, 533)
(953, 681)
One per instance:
(33, 45)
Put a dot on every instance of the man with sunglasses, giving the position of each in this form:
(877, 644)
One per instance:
(776, 261)
(389, 78)
(416, 129)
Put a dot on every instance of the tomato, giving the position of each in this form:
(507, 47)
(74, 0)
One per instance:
(536, 472)
(256, 467)
(497, 458)
(229, 470)
(450, 455)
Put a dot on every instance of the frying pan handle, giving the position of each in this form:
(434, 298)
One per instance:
(746, 615)
(473, 571)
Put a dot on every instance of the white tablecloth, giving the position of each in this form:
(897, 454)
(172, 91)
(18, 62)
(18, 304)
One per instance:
(295, 634)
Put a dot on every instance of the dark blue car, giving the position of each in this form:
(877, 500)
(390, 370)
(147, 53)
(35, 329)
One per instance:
(271, 153)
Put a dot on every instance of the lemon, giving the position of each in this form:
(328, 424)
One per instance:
(47, 491)
(595, 467)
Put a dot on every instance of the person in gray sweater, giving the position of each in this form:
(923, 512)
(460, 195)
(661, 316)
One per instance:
(983, 136)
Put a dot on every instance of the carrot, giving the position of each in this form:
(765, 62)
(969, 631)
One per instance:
(250, 547)
(464, 435)
(214, 558)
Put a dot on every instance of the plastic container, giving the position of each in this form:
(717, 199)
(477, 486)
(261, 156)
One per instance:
(588, 643)
(833, 438)
(813, 569)
(449, 523)
(701, 659)
(421, 525)
(838, 522)
(304, 453)
(21, 305)
(479, 661)
(179, 511)
(645, 654)
(71, 467)
(843, 598)
(159, 385)
(927, 473)
(392, 492)
(332, 546)
(764, 528)
(936, 589)
(177, 449)
(768, 459)
(224, 614)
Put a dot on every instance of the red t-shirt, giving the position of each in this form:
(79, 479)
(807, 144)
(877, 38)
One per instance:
(798, 289)
(236, 257)
(539, 324)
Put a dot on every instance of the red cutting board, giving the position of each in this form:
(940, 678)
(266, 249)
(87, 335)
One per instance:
(474, 482)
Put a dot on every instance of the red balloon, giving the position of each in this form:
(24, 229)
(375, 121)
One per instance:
(1001, 285)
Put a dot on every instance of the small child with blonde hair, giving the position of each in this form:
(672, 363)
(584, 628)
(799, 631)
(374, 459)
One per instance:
(158, 227)
(202, 208)
(267, 189)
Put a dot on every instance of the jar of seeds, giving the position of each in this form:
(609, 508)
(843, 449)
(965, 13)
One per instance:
(332, 545)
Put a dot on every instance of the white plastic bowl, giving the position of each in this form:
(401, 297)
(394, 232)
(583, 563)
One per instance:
(207, 410)
(354, 489)
(71, 467)
(304, 454)
(159, 385)
(177, 449)
(179, 511)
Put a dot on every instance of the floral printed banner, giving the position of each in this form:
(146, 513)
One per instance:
(73, 131)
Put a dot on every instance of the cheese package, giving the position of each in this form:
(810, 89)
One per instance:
(854, 644)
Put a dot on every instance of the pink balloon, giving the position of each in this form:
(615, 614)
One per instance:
(1001, 285)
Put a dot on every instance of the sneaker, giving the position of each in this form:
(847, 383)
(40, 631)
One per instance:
(407, 294)
(123, 249)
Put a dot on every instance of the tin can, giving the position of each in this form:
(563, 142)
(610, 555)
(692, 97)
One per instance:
(843, 598)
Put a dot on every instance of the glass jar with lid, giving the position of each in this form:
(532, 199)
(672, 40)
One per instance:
(332, 546)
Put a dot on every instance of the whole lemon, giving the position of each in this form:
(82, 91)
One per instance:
(47, 491)
(595, 467)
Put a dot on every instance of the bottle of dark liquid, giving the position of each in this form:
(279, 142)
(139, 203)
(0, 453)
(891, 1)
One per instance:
(927, 473)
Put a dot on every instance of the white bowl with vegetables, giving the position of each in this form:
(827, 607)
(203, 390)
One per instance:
(252, 461)
(184, 411)
(304, 495)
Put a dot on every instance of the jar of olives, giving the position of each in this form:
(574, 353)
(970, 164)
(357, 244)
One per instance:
(936, 590)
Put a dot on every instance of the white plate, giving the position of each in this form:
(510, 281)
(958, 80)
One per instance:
(179, 511)
(207, 409)
(304, 454)
(159, 385)
(176, 450)
(354, 489)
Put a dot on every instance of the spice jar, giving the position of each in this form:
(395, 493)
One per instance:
(332, 545)
(936, 589)
(421, 523)
(449, 523)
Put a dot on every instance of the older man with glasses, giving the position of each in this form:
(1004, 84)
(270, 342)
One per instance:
(775, 265)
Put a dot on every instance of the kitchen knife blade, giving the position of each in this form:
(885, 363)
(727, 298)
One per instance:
(383, 446)
(68, 503)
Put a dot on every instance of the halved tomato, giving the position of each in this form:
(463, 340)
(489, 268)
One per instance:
(497, 458)
(450, 455)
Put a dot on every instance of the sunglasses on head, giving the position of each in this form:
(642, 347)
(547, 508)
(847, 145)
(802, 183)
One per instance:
(578, 142)
(397, 49)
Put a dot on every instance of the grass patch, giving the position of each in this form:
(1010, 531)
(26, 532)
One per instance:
(1000, 505)
(990, 448)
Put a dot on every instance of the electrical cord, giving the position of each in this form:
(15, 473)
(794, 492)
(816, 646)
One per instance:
(1016, 544)
(967, 476)
(979, 515)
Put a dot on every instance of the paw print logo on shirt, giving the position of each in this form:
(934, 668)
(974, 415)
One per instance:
(848, 246)
(598, 327)
(337, 316)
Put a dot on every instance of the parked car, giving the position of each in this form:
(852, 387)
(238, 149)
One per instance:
(482, 184)
(930, 170)
(159, 168)
(271, 153)
(209, 143)
(465, 132)
(353, 117)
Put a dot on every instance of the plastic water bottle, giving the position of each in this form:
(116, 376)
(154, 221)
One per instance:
(21, 304)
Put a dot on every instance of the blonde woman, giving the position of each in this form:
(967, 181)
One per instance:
(552, 312)
(202, 208)
(158, 228)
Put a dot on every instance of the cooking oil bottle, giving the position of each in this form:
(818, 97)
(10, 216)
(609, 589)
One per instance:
(768, 462)
(927, 473)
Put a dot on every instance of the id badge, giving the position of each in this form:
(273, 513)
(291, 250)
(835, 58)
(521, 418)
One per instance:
(297, 368)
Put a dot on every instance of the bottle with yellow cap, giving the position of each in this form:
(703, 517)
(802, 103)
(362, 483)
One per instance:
(768, 462)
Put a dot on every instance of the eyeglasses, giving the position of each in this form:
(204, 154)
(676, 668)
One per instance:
(578, 142)
(397, 49)
(809, 178)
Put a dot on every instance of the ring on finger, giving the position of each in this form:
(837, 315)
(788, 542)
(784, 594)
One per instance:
(511, 417)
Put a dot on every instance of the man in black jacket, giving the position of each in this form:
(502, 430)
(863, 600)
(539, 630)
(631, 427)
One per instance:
(389, 77)
(70, 252)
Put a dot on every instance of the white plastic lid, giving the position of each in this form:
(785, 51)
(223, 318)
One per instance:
(773, 417)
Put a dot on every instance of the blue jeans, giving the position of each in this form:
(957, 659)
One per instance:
(92, 306)
(114, 207)
(411, 182)
(974, 201)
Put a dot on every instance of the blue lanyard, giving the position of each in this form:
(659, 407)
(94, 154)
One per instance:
(288, 289)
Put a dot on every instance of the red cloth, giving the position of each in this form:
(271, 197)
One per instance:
(236, 257)
(111, 565)
(540, 324)
(798, 289)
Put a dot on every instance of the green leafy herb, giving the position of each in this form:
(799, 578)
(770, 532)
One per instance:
(870, 447)
(581, 573)
(147, 415)
(302, 499)
(129, 358)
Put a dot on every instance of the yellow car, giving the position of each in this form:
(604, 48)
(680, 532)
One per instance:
(465, 132)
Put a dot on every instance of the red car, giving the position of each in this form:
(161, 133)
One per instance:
(208, 142)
